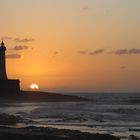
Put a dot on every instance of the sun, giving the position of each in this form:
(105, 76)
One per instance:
(34, 86)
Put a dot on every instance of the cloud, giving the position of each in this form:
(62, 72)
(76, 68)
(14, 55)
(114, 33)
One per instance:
(121, 52)
(6, 38)
(19, 48)
(85, 8)
(134, 51)
(24, 40)
(123, 67)
(127, 51)
(99, 51)
(96, 52)
(13, 56)
(82, 52)
(55, 54)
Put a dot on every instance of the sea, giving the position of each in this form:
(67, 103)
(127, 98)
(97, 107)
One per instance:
(116, 114)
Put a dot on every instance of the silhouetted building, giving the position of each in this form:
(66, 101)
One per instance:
(8, 87)
(3, 75)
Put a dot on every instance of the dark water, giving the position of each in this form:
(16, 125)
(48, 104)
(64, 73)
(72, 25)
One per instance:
(107, 113)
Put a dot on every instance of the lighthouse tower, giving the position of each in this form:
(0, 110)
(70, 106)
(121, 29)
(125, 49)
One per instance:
(3, 75)
(9, 88)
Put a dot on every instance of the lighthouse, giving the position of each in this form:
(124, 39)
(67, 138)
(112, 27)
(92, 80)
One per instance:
(3, 75)
(9, 88)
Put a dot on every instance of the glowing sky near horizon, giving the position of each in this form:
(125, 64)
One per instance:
(73, 45)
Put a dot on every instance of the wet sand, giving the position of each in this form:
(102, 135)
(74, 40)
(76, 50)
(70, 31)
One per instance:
(41, 133)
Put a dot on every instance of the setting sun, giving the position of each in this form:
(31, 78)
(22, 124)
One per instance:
(34, 86)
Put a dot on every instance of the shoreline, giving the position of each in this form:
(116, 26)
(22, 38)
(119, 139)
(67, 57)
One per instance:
(8, 129)
(40, 133)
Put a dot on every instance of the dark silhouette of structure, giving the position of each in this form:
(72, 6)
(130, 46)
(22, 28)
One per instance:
(3, 75)
(8, 87)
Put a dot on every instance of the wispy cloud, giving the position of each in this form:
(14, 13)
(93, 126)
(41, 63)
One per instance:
(55, 54)
(134, 51)
(13, 56)
(85, 8)
(127, 51)
(82, 52)
(123, 67)
(121, 52)
(20, 40)
(24, 40)
(96, 52)
(99, 51)
(6, 38)
(19, 48)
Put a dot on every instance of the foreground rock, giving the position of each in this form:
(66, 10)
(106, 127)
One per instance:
(34, 133)
(6, 119)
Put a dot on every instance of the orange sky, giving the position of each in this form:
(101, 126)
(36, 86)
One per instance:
(75, 45)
